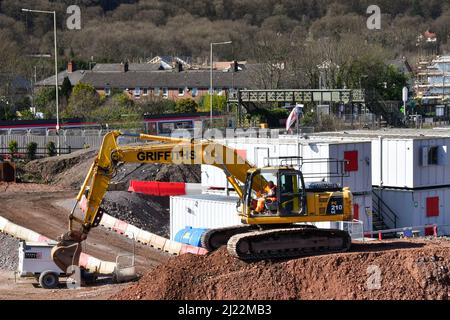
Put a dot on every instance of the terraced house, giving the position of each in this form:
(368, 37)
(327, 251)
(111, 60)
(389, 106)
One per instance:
(144, 80)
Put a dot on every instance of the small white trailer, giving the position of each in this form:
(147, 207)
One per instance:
(35, 261)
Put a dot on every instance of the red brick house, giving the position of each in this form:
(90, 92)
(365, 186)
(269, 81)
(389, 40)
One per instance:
(141, 80)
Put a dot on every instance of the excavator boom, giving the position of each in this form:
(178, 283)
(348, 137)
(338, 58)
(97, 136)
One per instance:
(162, 150)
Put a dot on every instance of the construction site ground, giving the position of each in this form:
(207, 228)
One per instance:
(390, 269)
(38, 207)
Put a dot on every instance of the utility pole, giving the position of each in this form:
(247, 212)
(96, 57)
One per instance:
(211, 88)
(56, 69)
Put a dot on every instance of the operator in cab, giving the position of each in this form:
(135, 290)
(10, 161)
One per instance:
(269, 194)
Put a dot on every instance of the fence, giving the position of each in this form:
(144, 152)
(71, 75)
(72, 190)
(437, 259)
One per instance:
(73, 142)
(68, 143)
(354, 228)
(40, 152)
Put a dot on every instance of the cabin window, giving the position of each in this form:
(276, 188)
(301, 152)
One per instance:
(433, 155)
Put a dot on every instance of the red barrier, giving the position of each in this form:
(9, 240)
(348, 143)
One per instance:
(186, 248)
(156, 188)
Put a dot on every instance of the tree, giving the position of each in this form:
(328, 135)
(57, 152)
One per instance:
(51, 149)
(83, 100)
(66, 88)
(186, 106)
(44, 97)
(219, 103)
(6, 110)
(31, 150)
(272, 116)
(13, 147)
(117, 108)
(155, 106)
(26, 115)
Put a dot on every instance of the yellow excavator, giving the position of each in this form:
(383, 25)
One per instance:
(272, 228)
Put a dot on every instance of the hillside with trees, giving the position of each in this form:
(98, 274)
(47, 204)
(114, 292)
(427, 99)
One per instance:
(114, 30)
(297, 35)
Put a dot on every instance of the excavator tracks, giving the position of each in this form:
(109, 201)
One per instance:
(287, 243)
(215, 238)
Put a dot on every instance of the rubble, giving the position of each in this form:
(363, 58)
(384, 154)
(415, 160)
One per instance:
(9, 252)
(143, 211)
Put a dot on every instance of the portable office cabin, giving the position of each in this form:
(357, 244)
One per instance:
(357, 153)
(410, 162)
(420, 207)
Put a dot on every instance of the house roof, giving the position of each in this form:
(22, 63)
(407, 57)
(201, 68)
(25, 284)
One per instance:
(118, 67)
(16, 82)
(74, 78)
(169, 79)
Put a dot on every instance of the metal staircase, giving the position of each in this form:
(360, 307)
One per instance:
(383, 217)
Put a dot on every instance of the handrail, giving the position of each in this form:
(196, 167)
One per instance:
(392, 218)
(434, 225)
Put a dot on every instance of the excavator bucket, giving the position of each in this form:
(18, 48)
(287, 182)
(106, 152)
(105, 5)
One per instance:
(68, 250)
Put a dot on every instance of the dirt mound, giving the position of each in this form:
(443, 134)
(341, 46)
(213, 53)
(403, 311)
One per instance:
(411, 270)
(8, 252)
(67, 170)
(70, 170)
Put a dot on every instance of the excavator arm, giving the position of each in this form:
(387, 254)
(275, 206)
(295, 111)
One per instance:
(167, 151)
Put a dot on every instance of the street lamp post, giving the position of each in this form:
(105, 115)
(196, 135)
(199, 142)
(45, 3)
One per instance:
(56, 67)
(444, 68)
(211, 90)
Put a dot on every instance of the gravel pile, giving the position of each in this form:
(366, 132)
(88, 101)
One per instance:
(143, 211)
(159, 172)
(8, 252)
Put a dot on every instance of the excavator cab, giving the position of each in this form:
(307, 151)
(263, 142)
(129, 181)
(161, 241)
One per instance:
(274, 192)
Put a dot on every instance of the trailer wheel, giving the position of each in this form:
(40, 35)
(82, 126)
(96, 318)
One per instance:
(49, 280)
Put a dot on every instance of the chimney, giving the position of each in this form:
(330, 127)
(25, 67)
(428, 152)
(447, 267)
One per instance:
(70, 66)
